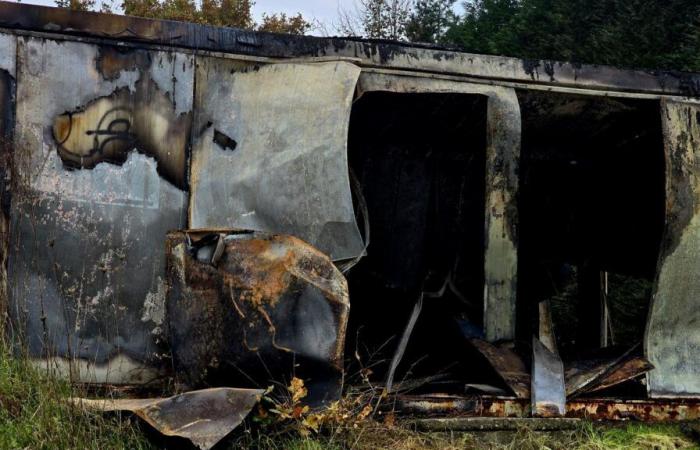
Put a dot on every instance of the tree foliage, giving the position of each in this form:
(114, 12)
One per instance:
(429, 20)
(631, 33)
(376, 19)
(76, 5)
(281, 23)
(221, 13)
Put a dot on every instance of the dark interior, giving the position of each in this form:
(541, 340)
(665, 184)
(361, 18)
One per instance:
(419, 159)
(591, 215)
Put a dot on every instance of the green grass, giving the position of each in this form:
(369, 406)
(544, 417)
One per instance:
(34, 414)
(588, 437)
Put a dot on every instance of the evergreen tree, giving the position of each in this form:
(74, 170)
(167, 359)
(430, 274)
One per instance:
(629, 33)
(429, 20)
(485, 27)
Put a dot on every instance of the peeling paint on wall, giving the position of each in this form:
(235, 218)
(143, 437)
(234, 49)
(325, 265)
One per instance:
(90, 205)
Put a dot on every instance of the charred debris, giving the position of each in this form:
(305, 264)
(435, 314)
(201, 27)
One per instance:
(231, 210)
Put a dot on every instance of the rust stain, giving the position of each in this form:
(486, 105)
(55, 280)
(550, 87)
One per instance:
(257, 303)
(591, 409)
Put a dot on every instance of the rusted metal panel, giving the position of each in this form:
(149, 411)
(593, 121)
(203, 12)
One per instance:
(591, 375)
(99, 151)
(672, 340)
(204, 417)
(626, 370)
(268, 308)
(270, 151)
(509, 366)
(371, 53)
(502, 162)
(592, 409)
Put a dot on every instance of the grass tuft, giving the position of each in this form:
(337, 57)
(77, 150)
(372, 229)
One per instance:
(35, 415)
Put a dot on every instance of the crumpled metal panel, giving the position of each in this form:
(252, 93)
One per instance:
(204, 417)
(270, 151)
(99, 175)
(507, 364)
(672, 340)
(252, 309)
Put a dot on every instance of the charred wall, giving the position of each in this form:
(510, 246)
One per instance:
(100, 144)
(114, 146)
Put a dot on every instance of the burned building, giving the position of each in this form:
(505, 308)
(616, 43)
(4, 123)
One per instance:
(184, 200)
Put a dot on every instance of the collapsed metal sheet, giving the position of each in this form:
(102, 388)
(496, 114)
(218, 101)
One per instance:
(626, 370)
(509, 366)
(672, 339)
(502, 162)
(99, 175)
(255, 309)
(548, 393)
(204, 417)
(271, 152)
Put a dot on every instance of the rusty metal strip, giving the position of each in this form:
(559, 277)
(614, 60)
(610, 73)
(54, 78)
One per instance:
(672, 339)
(592, 409)
(204, 417)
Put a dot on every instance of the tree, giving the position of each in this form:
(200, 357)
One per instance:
(284, 24)
(376, 19)
(485, 27)
(76, 5)
(227, 13)
(429, 20)
(630, 33)
(222, 13)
